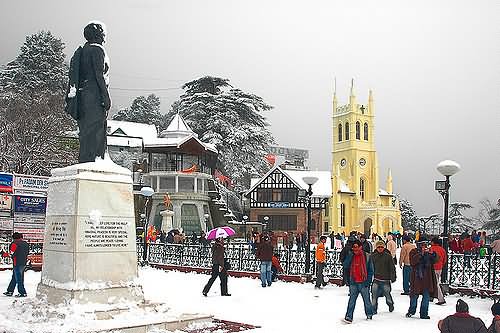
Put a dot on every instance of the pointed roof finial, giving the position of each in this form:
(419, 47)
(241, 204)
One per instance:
(335, 86)
(352, 87)
(370, 95)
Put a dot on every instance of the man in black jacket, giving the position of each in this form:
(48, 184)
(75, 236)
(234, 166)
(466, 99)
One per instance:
(384, 275)
(19, 251)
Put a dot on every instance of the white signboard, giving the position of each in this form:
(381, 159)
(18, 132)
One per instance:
(6, 223)
(31, 183)
(5, 202)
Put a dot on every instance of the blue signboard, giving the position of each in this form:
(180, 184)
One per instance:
(27, 204)
(279, 205)
(6, 180)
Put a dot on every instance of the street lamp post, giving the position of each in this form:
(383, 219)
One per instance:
(266, 221)
(245, 218)
(310, 182)
(147, 192)
(447, 168)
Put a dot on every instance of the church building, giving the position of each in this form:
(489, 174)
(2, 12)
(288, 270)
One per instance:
(357, 202)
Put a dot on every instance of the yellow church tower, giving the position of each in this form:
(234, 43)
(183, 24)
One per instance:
(357, 202)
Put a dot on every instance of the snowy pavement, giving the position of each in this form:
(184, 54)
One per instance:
(283, 307)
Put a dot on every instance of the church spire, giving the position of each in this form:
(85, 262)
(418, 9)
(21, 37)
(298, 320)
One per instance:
(352, 96)
(388, 182)
(370, 102)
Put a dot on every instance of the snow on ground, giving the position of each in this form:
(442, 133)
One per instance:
(283, 307)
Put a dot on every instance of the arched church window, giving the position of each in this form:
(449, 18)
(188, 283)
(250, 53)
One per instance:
(362, 188)
(347, 131)
(340, 132)
(358, 130)
(342, 215)
(365, 131)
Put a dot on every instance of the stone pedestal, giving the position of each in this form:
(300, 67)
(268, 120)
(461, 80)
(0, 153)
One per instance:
(89, 253)
(167, 221)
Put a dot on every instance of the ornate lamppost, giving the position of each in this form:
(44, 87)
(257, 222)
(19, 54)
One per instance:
(310, 182)
(147, 192)
(447, 168)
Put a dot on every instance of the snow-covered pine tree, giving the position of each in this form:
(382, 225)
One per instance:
(230, 119)
(143, 110)
(409, 219)
(457, 220)
(32, 117)
(428, 224)
(489, 217)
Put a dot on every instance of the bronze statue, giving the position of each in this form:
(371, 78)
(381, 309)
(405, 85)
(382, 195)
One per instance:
(88, 98)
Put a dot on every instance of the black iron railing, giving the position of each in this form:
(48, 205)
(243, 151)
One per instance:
(241, 256)
(475, 271)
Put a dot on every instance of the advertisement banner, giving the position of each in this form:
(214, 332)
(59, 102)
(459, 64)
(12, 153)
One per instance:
(5, 202)
(6, 223)
(31, 235)
(6, 180)
(29, 204)
(31, 183)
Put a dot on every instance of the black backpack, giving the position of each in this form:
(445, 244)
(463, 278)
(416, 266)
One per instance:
(71, 107)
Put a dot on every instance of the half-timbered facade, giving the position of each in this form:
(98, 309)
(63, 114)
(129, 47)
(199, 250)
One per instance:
(275, 201)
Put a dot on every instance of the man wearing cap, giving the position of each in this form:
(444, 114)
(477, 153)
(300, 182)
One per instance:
(19, 251)
(384, 275)
(404, 263)
(462, 321)
(422, 279)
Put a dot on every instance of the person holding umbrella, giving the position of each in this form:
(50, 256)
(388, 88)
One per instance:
(218, 268)
(220, 265)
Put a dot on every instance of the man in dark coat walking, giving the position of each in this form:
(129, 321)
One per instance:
(422, 279)
(218, 268)
(384, 275)
(88, 99)
(19, 251)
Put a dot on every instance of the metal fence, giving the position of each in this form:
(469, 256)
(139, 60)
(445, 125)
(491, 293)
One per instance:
(474, 271)
(467, 271)
(241, 256)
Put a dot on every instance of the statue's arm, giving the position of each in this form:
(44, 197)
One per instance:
(97, 56)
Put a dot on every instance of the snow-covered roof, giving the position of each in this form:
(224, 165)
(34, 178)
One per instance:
(177, 127)
(322, 188)
(344, 188)
(124, 141)
(126, 128)
(384, 192)
(176, 134)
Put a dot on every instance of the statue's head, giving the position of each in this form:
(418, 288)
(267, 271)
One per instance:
(95, 32)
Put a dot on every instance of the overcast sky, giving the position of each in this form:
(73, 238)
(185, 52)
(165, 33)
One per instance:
(433, 67)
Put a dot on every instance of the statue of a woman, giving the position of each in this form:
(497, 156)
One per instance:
(88, 98)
